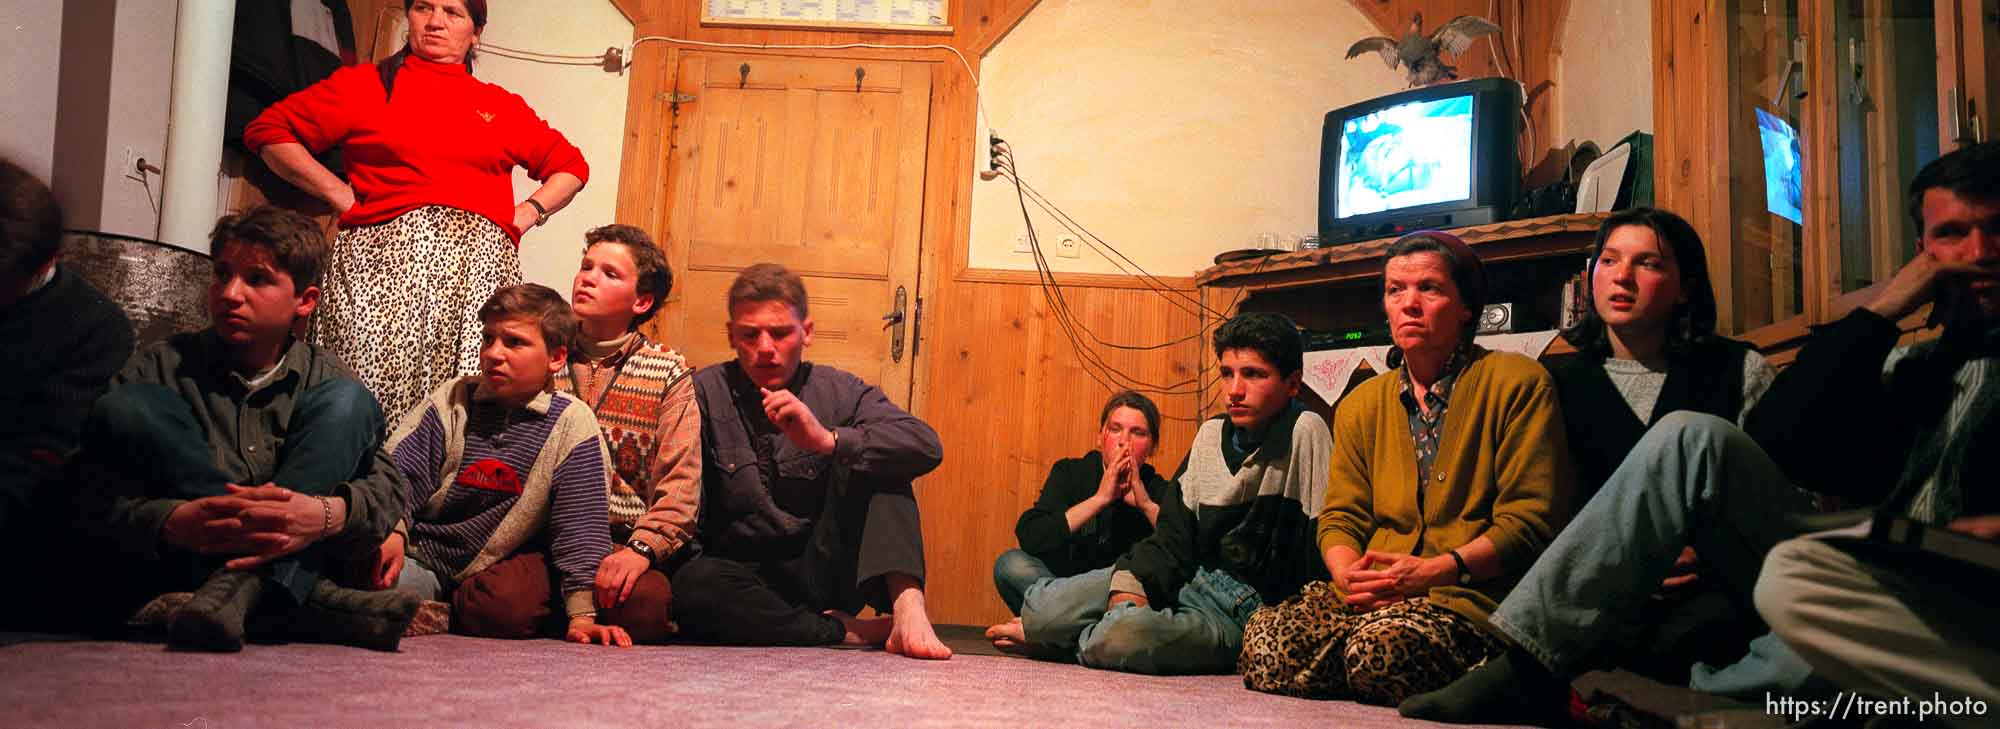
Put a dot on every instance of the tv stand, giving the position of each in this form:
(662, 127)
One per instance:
(1350, 234)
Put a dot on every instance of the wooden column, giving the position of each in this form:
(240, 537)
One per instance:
(1691, 131)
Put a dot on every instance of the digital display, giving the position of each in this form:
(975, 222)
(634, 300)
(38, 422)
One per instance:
(1406, 155)
(1784, 180)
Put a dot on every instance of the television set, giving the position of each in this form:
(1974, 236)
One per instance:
(1436, 157)
(1784, 182)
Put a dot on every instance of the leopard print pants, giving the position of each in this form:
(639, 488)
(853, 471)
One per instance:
(1314, 646)
(400, 300)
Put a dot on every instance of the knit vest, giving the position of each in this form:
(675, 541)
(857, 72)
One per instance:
(629, 411)
(1603, 429)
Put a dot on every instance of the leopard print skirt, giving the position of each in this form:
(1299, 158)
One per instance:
(1314, 646)
(400, 300)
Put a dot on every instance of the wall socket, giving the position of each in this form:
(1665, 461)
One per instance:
(129, 167)
(1069, 246)
(1021, 244)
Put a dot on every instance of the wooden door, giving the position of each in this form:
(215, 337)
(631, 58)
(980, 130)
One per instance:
(815, 163)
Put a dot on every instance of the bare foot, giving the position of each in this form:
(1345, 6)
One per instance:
(1009, 637)
(867, 632)
(911, 634)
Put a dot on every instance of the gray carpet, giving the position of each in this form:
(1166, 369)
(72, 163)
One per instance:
(457, 681)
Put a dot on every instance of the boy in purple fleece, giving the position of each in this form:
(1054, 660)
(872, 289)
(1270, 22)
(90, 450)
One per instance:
(502, 469)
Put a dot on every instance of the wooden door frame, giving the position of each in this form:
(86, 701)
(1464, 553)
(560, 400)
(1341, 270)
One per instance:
(649, 189)
(946, 220)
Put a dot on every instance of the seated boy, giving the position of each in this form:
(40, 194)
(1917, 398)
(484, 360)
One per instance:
(501, 468)
(70, 340)
(1235, 535)
(808, 511)
(219, 458)
(1092, 508)
(643, 396)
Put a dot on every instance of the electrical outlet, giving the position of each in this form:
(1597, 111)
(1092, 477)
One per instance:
(1021, 244)
(129, 168)
(1069, 246)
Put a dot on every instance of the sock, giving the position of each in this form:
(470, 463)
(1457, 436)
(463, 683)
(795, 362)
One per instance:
(1511, 688)
(213, 619)
(362, 618)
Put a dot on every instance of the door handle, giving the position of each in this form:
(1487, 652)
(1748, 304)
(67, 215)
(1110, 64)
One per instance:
(896, 319)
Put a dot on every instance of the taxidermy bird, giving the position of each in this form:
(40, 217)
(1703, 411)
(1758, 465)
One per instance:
(1418, 53)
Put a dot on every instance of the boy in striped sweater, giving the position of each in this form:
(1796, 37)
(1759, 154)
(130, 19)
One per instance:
(501, 470)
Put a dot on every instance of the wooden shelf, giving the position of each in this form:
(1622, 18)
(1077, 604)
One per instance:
(1514, 239)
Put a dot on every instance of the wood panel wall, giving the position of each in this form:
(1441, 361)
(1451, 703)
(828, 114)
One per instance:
(1690, 122)
(997, 377)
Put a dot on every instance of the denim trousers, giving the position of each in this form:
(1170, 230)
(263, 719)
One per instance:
(1693, 480)
(1203, 634)
(334, 427)
(1014, 572)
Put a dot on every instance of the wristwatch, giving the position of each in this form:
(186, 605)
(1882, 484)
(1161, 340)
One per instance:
(644, 550)
(1464, 572)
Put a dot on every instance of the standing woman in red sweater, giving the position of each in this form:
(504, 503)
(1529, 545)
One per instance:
(428, 226)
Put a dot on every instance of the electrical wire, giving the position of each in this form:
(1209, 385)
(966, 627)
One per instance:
(1094, 365)
(485, 47)
(1125, 264)
(145, 182)
(599, 63)
(1118, 258)
(1106, 375)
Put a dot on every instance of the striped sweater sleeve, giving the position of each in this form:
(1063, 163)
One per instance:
(578, 539)
(420, 456)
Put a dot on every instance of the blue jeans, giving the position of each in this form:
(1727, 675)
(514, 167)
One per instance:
(1693, 480)
(1014, 572)
(423, 581)
(334, 429)
(1204, 634)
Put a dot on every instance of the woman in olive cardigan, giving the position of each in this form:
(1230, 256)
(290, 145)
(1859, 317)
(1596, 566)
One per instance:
(1429, 519)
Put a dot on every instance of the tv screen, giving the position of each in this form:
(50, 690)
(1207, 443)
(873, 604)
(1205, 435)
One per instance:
(1784, 181)
(1406, 155)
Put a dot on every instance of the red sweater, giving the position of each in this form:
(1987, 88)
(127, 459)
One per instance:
(446, 138)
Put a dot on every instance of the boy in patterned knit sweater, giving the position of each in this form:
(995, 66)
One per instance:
(501, 469)
(643, 396)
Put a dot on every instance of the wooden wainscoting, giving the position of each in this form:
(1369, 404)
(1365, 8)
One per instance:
(1009, 396)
